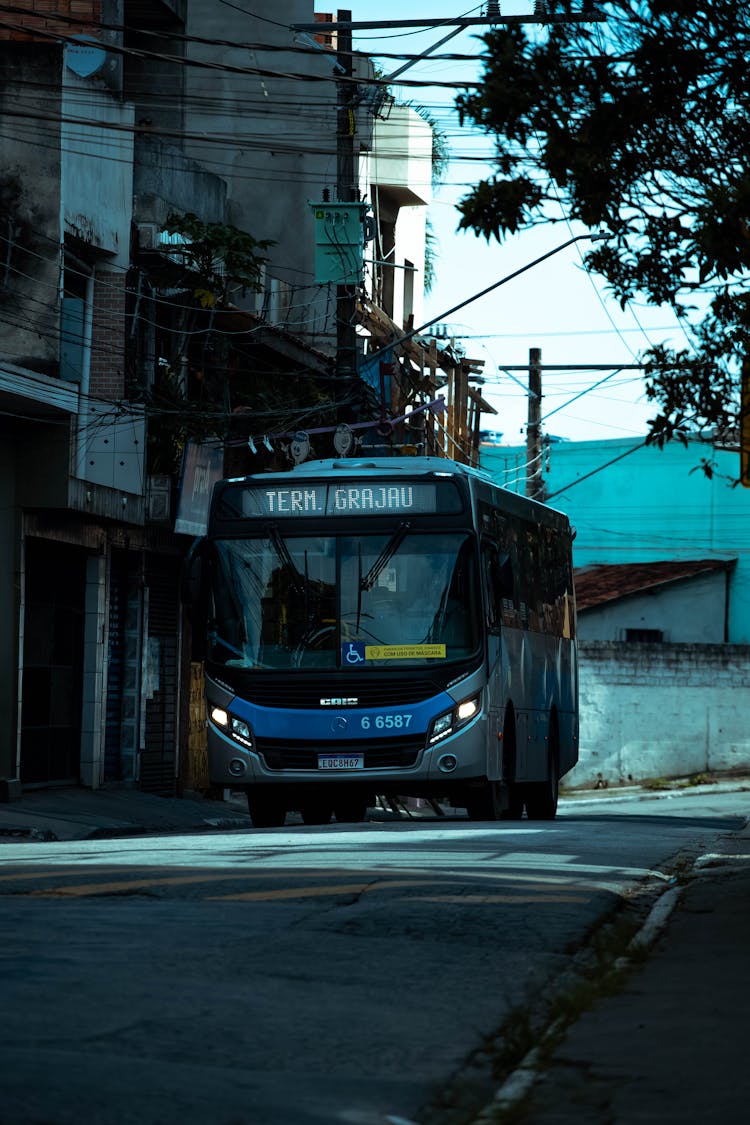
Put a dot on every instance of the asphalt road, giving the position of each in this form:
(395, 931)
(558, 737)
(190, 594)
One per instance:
(308, 975)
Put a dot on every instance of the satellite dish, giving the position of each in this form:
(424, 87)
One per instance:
(85, 58)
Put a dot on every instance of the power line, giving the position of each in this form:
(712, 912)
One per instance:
(606, 465)
(225, 67)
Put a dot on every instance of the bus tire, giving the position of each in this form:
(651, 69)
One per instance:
(514, 792)
(265, 807)
(541, 796)
(351, 810)
(483, 802)
(316, 811)
(514, 809)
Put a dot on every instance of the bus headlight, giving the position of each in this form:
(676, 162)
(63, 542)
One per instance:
(241, 731)
(441, 727)
(467, 710)
(237, 728)
(453, 720)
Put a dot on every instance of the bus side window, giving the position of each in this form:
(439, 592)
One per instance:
(498, 582)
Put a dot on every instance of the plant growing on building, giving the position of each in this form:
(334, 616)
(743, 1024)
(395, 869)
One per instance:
(216, 260)
(201, 271)
(440, 162)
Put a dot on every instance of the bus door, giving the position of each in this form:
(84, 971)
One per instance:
(497, 585)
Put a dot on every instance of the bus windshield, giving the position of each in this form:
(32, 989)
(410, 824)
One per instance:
(286, 601)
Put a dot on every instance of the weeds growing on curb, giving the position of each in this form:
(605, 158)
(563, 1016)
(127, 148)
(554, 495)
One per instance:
(598, 969)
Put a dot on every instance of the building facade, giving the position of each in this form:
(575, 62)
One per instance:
(127, 125)
(636, 503)
(73, 466)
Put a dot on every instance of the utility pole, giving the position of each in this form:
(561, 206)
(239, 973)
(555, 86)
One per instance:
(347, 190)
(534, 481)
(745, 424)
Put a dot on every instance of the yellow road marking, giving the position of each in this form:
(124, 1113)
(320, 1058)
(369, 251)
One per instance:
(83, 889)
(522, 892)
(328, 889)
(463, 900)
(292, 892)
(50, 873)
(125, 884)
(171, 874)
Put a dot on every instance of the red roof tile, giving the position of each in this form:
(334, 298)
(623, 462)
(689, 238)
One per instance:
(596, 585)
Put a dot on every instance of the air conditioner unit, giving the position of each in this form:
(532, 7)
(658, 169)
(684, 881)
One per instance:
(158, 499)
(148, 236)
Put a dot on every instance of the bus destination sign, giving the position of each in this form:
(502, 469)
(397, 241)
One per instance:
(346, 499)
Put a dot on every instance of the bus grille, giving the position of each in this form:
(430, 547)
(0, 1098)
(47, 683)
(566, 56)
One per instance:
(293, 754)
(391, 692)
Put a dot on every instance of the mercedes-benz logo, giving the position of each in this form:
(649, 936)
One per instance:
(339, 723)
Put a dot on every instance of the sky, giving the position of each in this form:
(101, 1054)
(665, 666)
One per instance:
(555, 306)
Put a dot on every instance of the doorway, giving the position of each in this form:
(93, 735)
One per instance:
(55, 585)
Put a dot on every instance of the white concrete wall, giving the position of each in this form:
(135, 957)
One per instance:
(411, 228)
(97, 167)
(651, 711)
(687, 612)
(402, 154)
(281, 144)
(400, 163)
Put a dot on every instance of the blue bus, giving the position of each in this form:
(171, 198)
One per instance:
(398, 626)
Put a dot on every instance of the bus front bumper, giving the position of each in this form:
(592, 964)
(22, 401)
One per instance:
(458, 757)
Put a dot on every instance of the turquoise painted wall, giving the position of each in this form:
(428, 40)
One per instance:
(634, 503)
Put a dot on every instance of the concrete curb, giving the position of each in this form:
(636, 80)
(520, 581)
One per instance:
(121, 832)
(520, 1081)
(27, 834)
(572, 797)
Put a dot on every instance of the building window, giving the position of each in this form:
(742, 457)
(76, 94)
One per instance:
(75, 320)
(645, 636)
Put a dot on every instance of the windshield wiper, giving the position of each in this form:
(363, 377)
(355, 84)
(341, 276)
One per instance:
(359, 584)
(297, 583)
(385, 556)
(215, 639)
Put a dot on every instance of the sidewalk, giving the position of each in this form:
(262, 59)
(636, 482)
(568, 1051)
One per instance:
(72, 813)
(671, 1044)
(75, 813)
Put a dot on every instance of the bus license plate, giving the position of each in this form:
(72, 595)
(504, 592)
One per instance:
(341, 761)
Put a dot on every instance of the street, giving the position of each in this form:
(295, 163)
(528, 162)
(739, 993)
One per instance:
(307, 975)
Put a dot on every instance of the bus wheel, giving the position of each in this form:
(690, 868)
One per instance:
(317, 811)
(483, 801)
(266, 809)
(514, 811)
(352, 810)
(541, 796)
(514, 792)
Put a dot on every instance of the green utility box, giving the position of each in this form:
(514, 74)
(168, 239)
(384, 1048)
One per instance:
(339, 242)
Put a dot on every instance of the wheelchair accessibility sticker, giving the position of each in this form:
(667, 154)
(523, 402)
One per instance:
(357, 652)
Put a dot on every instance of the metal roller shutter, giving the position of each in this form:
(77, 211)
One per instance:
(161, 688)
